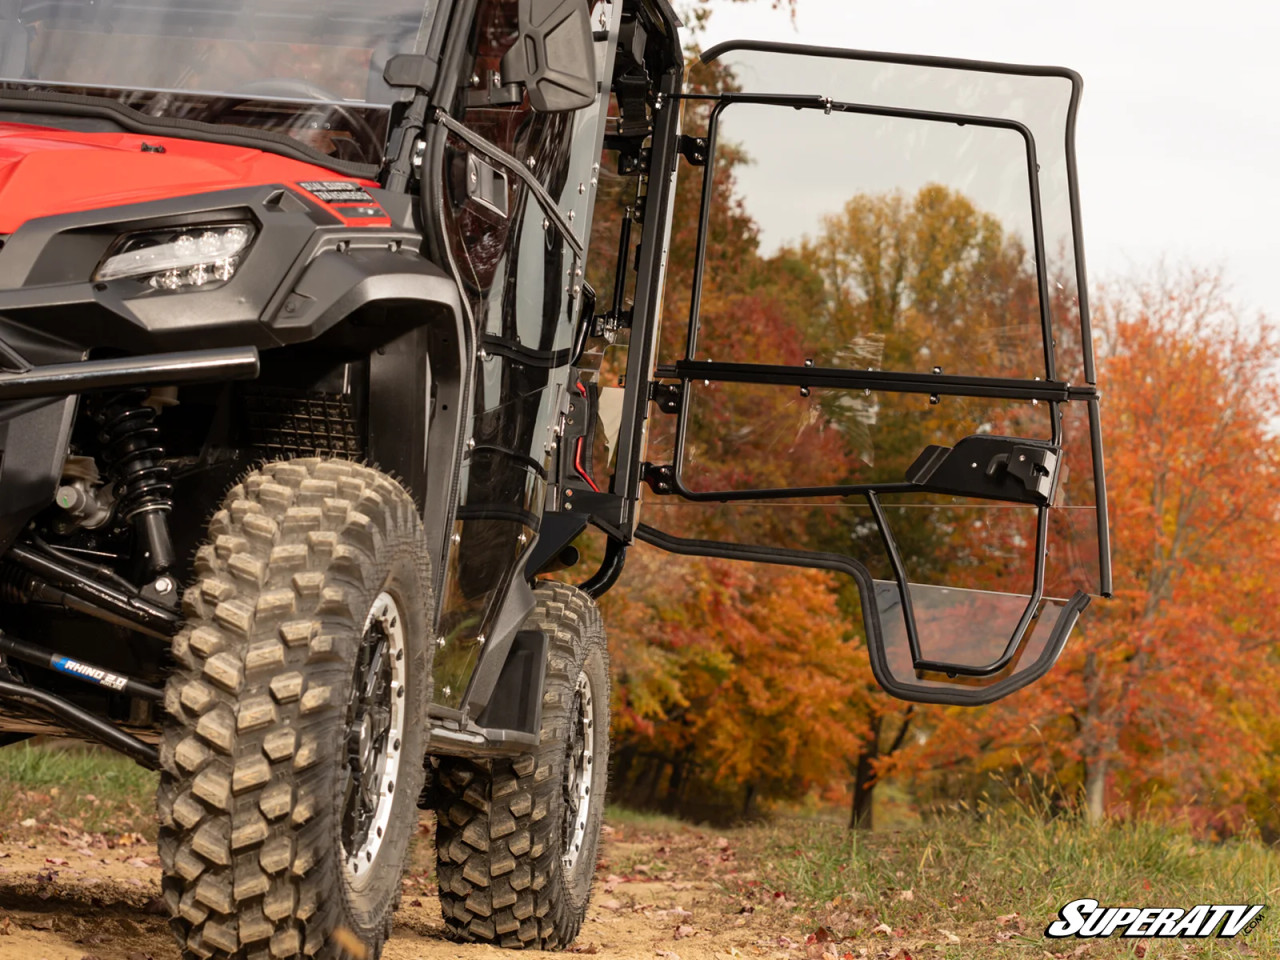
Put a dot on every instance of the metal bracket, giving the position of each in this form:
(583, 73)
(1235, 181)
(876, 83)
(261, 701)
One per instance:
(495, 93)
(695, 150)
(990, 468)
(633, 163)
(608, 325)
(661, 479)
(1036, 467)
(487, 185)
(667, 396)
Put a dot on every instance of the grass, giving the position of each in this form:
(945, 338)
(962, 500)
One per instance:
(996, 880)
(77, 787)
(967, 886)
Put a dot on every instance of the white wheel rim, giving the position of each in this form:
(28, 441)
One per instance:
(382, 766)
(578, 772)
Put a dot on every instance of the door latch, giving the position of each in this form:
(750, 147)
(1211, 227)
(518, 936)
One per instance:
(990, 468)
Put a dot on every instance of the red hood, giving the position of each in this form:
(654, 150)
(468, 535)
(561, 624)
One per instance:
(46, 171)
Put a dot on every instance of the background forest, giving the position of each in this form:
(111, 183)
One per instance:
(743, 689)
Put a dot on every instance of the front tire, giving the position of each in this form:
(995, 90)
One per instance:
(292, 761)
(516, 840)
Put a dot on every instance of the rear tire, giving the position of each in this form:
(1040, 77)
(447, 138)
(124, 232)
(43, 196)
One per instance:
(516, 840)
(292, 761)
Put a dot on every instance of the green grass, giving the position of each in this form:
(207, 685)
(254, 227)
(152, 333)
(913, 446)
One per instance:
(82, 788)
(641, 821)
(965, 873)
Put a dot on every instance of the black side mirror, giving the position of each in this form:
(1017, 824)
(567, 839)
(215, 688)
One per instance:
(555, 57)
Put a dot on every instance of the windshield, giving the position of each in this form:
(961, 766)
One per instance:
(311, 69)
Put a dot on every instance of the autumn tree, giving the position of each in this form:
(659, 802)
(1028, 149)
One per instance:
(1161, 697)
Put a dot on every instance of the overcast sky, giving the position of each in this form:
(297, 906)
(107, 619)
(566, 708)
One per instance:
(1179, 130)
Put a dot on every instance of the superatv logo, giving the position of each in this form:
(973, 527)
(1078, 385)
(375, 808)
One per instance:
(1086, 919)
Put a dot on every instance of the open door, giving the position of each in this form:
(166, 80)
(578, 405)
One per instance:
(903, 390)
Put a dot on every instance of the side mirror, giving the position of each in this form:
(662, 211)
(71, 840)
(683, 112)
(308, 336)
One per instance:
(555, 57)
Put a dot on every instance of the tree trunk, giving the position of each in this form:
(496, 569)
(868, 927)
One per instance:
(862, 809)
(864, 780)
(673, 786)
(1095, 743)
(1095, 788)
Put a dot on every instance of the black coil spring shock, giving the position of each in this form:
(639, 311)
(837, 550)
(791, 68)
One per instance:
(143, 489)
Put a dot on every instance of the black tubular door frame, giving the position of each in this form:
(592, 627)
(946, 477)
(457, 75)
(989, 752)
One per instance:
(959, 696)
(1051, 391)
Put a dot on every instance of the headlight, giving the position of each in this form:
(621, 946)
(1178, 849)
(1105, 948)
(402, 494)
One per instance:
(173, 259)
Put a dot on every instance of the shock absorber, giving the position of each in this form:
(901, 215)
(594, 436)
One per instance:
(144, 490)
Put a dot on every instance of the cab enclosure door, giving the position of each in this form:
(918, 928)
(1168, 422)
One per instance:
(892, 376)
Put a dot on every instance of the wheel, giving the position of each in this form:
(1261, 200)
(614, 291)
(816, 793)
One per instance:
(516, 839)
(293, 755)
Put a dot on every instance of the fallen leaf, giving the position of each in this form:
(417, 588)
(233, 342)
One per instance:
(677, 912)
(885, 929)
(57, 861)
(585, 948)
(786, 943)
(722, 843)
(349, 942)
(29, 822)
(684, 930)
(906, 895)
(951, 937)
(611, 905)
(667, 954)
(1140, 950)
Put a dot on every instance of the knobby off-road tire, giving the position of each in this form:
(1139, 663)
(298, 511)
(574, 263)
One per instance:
(506, 830)
(312, 567)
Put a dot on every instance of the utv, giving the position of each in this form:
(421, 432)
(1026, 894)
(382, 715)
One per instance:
(305, 390)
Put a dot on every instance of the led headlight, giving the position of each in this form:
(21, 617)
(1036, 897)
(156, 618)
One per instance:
(177, 258)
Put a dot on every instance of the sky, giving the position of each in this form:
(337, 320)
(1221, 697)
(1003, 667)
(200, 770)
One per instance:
(1179, 128)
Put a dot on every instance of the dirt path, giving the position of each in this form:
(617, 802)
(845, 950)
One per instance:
(68, 896)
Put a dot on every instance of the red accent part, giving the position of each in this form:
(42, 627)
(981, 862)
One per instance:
(581, 389)
(46, 171)
(577, 465)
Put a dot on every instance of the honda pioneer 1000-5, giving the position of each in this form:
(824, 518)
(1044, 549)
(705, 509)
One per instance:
(307, 384)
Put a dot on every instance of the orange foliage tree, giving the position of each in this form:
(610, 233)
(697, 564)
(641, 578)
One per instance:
(1163, 696)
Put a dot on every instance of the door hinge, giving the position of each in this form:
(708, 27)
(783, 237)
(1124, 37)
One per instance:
(667, 396)
(695, 150)
(661, 479)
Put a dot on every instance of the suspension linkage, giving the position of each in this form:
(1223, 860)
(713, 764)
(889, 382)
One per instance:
(87, 672)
